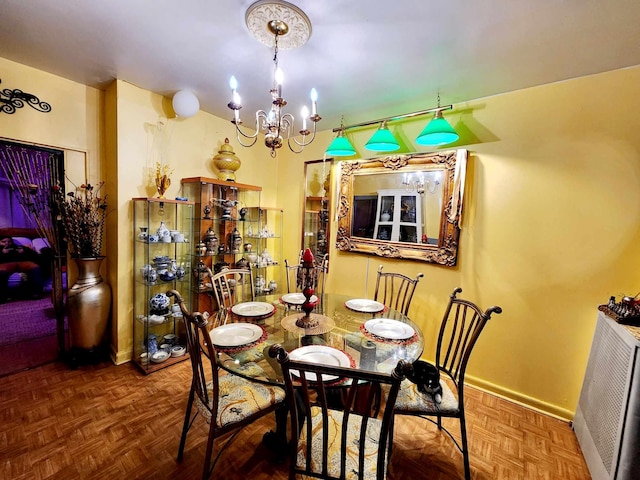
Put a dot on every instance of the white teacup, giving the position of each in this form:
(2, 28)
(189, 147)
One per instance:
(144, 358)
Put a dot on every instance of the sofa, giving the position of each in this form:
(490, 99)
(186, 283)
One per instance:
(31, 238)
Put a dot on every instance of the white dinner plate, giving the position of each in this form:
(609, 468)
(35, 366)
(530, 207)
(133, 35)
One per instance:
(235, 334)
(388, 328)
(364, 305)
(323, 355)
(253, 309)
(296, 298)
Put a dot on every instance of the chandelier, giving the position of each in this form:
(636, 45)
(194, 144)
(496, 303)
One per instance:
(287, 27)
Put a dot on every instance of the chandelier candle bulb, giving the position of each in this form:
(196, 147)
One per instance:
(233, 83)
(314, 98)
(279, 77)
(304, 113)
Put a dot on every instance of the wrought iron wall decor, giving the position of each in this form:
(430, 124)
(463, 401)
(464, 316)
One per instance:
(10, 100)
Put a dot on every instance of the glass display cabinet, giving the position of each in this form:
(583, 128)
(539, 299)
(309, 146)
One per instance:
(163, 242)
(263, 249)
(315, 224)
(226, 218)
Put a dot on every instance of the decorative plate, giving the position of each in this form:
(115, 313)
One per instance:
(364, 305)
(296, 298)
(388, 328)
(253, 309)
(323, 355)
(235, 334)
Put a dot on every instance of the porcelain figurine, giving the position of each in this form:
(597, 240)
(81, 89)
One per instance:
(163, 232)
(180, 272)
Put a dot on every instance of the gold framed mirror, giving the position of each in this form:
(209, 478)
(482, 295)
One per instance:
(403, 206)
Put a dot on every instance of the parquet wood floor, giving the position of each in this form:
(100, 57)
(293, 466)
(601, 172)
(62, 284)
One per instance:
(112, 422)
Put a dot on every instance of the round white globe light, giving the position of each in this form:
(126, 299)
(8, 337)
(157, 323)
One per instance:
(185, 103)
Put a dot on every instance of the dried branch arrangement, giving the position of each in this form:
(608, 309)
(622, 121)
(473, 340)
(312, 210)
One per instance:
(31, 176)
(83, 215)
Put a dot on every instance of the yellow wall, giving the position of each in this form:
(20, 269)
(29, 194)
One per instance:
(147, 131)
(551, 228)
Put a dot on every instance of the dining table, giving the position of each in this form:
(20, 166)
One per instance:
(349, 332)
(352, 332)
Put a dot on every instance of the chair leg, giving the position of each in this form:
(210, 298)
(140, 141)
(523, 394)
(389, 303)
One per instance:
(465, 447)
(391, 425)
(206, 470)
(187, 424)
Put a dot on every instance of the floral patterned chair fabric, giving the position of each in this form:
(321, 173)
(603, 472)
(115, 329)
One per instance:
(227, 402)
(332, 442)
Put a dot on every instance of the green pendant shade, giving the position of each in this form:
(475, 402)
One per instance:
(340, 147)
(437, 132)
(382, 141)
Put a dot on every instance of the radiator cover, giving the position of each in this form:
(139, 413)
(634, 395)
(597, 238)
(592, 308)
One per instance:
(607, 420)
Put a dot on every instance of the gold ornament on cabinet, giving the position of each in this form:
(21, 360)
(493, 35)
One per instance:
(226, 162)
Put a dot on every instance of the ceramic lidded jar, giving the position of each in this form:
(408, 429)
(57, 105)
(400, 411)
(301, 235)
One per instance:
(235, 241)
(226, 162)
(211, 241)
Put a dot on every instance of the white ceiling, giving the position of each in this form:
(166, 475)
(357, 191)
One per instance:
(363, 56)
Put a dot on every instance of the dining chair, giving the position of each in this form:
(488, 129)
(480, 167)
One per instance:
(395, 290)
(322, 268)
(227, 402)
(460, 329)
(231, 286)
(334, 443)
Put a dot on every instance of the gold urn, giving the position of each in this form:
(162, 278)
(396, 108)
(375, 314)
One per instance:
(226, 162)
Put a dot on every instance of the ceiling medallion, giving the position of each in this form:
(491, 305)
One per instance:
(260, 14)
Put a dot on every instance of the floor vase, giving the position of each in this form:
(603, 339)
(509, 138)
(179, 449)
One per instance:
(89, 305)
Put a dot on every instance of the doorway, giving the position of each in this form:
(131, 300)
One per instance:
(28, 320)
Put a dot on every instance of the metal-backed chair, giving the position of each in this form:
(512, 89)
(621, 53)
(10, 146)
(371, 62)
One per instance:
(460, 329)
(227, 402)
(231, 286)
(331, 443)
(395, 290)
(322, 268)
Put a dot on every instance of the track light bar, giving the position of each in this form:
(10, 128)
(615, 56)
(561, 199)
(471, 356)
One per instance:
(392, 119)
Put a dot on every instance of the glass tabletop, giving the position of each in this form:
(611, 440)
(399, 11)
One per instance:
(343, 323)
